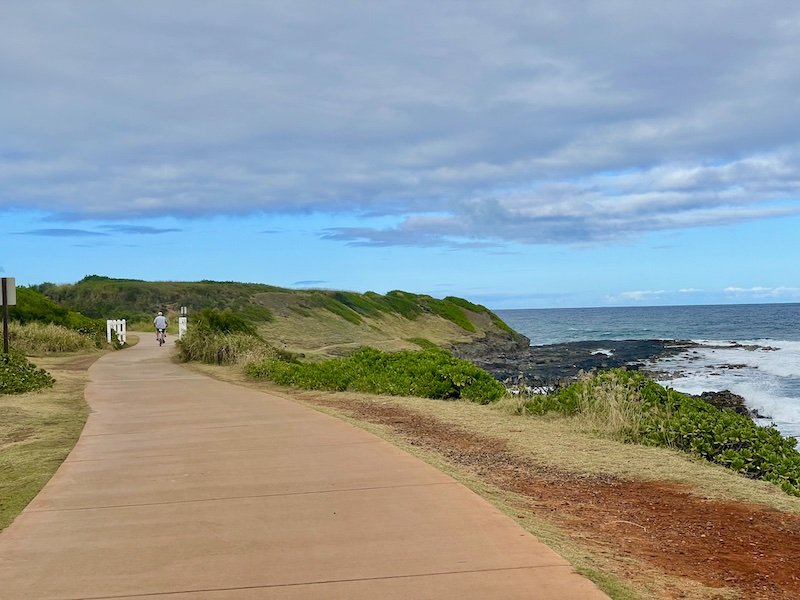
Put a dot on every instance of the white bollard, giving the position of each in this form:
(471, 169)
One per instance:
(183, 322)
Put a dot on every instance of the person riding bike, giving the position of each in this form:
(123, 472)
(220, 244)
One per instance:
(161, 324)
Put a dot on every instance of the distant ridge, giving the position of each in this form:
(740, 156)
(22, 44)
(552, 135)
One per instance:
(311, 320)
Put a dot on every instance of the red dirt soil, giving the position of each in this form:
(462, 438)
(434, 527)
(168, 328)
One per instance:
(660, 525)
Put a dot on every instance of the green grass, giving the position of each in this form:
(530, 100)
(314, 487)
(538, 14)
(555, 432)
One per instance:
(452, 312)
(398, 302)
(423, 343)
(37, 432)
(330, 303)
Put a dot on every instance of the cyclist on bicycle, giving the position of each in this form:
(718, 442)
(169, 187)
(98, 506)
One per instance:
(161, 324)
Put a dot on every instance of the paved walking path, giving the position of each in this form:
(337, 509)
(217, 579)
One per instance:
(186, 487)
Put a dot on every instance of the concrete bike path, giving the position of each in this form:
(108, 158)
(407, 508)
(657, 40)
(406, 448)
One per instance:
(186, 487)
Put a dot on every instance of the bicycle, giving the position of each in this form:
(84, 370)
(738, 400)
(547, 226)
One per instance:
(161, 336)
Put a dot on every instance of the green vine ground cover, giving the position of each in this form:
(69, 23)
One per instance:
(426, 373)
(636, 409)
(18, 375)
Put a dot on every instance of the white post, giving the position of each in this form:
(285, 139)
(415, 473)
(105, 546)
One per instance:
(182, 323)
(109, 324)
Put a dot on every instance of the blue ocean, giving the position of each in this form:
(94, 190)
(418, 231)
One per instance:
(750, 349)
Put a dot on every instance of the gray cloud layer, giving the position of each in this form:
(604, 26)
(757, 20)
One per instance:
(470, 122)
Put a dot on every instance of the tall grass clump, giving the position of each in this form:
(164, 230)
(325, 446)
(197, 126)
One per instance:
(33, 307)
(35, 338)
(18, 375)
(222, 338)
(606, 403)
(222, 348)
(627, 405)
(431, 373)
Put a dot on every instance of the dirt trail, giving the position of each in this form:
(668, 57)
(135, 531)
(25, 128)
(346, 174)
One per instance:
(661, 526)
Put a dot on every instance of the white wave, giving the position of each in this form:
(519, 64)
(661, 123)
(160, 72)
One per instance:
(605, 351)
(768, 377)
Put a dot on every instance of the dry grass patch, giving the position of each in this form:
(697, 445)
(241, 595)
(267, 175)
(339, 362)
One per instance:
(37, 339)
(38, 430)
(324, 334)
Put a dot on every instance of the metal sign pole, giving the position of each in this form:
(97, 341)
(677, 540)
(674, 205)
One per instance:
(5, 314)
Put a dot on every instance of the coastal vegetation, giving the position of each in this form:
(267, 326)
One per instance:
(18, 375)
(431, 373)
(628, 406)
(33, 307)
(222, 338)
(313, 322)
(36, 338)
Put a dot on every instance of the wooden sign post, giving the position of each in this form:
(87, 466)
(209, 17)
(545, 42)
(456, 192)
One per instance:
(9, 299)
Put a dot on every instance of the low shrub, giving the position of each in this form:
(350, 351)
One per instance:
(721, 436)
(35, 338)
(94, 329)
(18, 375)
(629, 406)
(430, 373)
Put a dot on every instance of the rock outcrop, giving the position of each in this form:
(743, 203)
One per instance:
(512, 360)
(728, 400)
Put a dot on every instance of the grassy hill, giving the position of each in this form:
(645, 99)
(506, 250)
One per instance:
(321, 322)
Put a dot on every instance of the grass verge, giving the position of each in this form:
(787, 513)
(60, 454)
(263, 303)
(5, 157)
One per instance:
(38, 430)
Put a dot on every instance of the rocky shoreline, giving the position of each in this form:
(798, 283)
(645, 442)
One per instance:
(516, 362)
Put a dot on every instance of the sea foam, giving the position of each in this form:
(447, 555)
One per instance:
(766, 373)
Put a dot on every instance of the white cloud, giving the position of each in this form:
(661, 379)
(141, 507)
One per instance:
(764, 292)
(642, 294)
(523, 121)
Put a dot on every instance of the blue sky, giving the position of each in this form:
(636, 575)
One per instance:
(516, 153)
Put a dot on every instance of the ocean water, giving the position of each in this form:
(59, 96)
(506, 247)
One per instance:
(750, 349)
